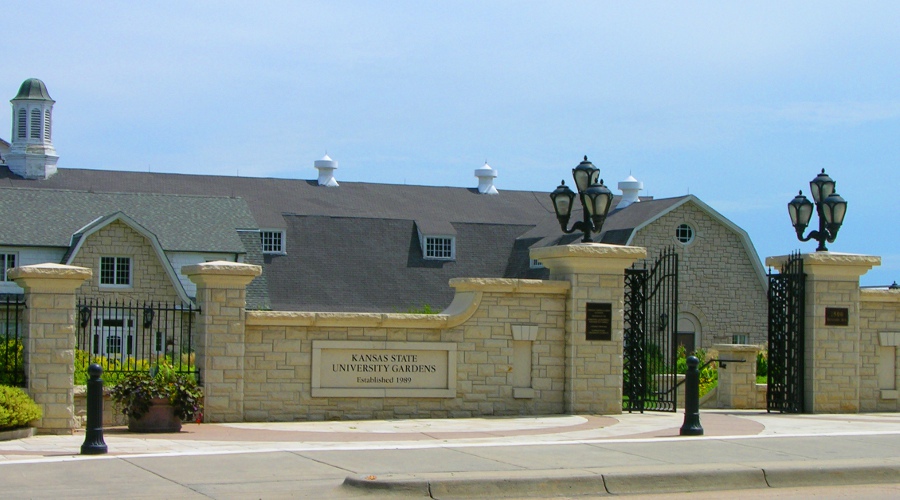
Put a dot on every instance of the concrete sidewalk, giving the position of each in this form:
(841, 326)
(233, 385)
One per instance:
(505, 457)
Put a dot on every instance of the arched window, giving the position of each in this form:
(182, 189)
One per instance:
(35, 124)
(47, 125)
(21, 124)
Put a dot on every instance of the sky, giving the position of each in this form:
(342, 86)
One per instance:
(738, 103)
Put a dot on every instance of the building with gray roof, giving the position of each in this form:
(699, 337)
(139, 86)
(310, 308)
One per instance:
(347, 246)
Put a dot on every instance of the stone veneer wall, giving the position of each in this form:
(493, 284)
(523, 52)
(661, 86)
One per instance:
(278, 356)
(150, 282)
(718, 282)
(879, 326)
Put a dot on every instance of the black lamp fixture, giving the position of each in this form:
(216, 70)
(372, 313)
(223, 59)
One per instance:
(829, 205)
(594, 196)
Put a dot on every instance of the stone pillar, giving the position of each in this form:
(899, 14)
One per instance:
(737, 379)
(831, 362)
(597, 274)
(221, 296)
(49, 340)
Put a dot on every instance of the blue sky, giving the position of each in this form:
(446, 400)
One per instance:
(739, 103)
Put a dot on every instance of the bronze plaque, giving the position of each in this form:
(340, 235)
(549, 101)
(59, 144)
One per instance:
(598, 321)
(837, 316)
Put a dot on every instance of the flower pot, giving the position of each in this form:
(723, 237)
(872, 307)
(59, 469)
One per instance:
(160, 418)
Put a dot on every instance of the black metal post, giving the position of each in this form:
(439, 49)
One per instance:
(93, 437)
(691, 425)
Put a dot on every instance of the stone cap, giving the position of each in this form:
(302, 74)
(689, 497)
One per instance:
(222, 273)
(55, 278)
(509, 285)
(875, 295)
(588, 257)
(831, 264)
(737, 347)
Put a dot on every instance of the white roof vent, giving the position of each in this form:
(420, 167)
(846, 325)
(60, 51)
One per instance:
(629, 188)
(486, 176)
(326, 167)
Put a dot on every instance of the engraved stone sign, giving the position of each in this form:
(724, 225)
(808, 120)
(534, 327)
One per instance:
(383, 369)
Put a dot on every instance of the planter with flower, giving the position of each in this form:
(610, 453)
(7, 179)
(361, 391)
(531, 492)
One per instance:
(158, 400)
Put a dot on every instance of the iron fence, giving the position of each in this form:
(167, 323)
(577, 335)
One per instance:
(12, 368)
(124, 337)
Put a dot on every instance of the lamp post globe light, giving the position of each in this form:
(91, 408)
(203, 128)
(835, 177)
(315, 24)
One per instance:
(829, 205)
(595, 201)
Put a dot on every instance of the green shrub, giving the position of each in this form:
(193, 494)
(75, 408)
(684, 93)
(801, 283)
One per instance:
(425, 309)
(709, 375)
(16, 408)
(12, 372)
(114, 371)
(762, 364)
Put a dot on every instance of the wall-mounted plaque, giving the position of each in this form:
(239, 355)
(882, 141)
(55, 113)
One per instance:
(837, 316)
(598, 321)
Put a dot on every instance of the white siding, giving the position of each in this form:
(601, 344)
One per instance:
(29, 256)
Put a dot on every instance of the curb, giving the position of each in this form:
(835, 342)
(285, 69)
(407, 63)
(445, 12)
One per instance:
(644, 480)
(22, 433)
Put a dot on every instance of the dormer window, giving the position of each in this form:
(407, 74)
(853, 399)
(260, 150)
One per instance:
(115, 271)
(440, 247)
(437, 238)
(272, 241)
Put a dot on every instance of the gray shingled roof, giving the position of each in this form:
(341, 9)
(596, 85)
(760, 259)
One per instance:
(355, 247)
(367, 264)
(49, 217)
(269, 198)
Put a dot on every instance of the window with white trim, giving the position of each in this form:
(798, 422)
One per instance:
(439, 247)
(115, 271)
(684, 234)
(8, 261)
(740, 338)
(272, 241)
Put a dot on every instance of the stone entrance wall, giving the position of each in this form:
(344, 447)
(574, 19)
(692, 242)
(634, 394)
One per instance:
(468, 357)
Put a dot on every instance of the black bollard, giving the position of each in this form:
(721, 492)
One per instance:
(93, 437)
(691, 425)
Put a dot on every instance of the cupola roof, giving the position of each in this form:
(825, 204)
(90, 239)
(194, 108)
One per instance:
(33, 89)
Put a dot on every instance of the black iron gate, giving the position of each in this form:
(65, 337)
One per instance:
(12, 369)
(124, 336)
(786, 325)
(651, 321)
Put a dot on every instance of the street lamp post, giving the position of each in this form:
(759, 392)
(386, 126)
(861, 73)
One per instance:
(594, 196)
(829, 205)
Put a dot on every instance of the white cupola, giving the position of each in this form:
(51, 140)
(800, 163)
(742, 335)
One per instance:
(31, 153)
(326, 167)
(486, 176)
(629, 187)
